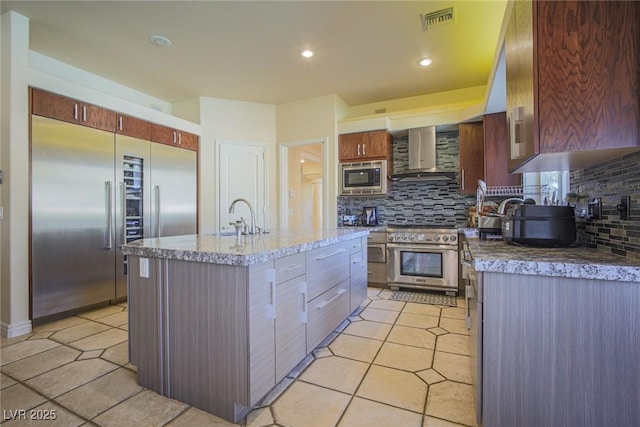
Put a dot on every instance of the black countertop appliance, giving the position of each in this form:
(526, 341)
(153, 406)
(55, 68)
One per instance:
(539, 225)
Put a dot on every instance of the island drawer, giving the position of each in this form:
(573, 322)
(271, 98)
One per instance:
(326, 267)
(289, 267)
(326, 312)
(356, 245)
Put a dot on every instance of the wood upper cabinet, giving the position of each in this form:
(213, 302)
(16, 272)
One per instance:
(132, 126)
(496, 152)
(573, 78)
(170, 136)
(372, 145)
(71, 110)
(471, 141)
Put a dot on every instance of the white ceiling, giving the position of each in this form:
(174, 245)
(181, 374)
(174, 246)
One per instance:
(366, 51)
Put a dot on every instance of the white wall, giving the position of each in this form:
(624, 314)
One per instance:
(315, 119)
(228, 120)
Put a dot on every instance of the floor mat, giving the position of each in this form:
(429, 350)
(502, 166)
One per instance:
(424, 298)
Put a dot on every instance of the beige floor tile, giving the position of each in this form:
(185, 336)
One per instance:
(373, 291)
(454, 312)
(102, 340)
(322, 352)
(393, 387)
(4, 342)
(426, 309)
(404, 357)
(453, 366)
(452, 401)
(101, 394)
(385, 293)
(365, 328)
(58, 325)
(124, 327)
(417, 320)
(41, 335)
(358, 348)
(102, 312)
(385, 304)
(460, 302)
(453, 343)
(438, 331)
(259, 418)
(20, 397)
(77, 332)
(377, 315)
(5, 381)
(24, 349)
(195, 417)
(455, 326)
(437, 422)
(144, 409)
(336, 373)
(90, 354)
(308, 405)
(40, 363)
(63, 418)
(365, 413)
(67, 377)
(412, 336)
(431, 376)
(118, 354)
(117, 319)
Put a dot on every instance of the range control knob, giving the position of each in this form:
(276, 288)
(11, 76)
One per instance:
(421, 237)
(436, 237)
(454, 238)
(412, 236)
(445, 238)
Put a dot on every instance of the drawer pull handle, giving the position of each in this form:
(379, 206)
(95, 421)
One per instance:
(330, 300)
(292, 267)
(321, 257)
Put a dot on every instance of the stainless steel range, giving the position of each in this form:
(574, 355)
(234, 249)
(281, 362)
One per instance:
(422, 257)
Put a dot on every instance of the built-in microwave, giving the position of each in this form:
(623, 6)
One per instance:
(363, 178)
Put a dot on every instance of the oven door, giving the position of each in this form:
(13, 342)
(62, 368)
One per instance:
(423, 266)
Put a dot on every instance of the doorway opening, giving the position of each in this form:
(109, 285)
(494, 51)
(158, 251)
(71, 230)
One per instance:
(302, 185)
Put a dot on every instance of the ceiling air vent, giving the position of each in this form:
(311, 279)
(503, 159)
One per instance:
(439, 17)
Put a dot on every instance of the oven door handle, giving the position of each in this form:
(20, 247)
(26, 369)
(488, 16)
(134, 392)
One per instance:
(421, 247)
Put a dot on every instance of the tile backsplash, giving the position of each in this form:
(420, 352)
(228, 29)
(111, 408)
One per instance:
(609, 181)
(418, 202)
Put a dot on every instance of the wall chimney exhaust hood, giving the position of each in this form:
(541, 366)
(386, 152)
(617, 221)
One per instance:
(422, 158)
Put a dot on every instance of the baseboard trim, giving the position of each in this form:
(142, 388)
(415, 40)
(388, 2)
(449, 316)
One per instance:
(15, 329)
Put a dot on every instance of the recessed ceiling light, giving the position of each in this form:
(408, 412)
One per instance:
(160, 41)
(307, 53)
(425, 62)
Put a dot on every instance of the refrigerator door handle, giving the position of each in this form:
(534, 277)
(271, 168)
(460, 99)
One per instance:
(156, 189)
(123, 195)
(109, 211)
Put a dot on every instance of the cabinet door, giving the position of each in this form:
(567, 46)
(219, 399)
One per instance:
(496, 152)
(326, 312)
(588, 59)
(188, 141)
(471, 140)
(350, 146)
(134, 127)
(358, 274)
(60, 107)
(291, 325)
(327, 267)
(519, 41)
(370, 145)
(377, 145)
(163, 134)
(146, 328)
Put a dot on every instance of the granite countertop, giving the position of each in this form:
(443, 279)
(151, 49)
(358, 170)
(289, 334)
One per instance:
(246, 250)
(573, 262)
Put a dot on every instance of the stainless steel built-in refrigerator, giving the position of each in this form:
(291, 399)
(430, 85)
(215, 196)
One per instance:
(93, 191)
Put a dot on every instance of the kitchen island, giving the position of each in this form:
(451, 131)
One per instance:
(218, 321)
(555, 336)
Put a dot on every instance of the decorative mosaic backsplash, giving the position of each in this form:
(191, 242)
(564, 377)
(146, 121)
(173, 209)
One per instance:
(609, 181)
(417, 202)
